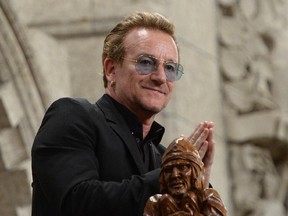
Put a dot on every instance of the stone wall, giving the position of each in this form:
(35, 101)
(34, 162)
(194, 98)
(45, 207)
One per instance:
(21, 110)
(253, 46)
(66, 39)
(233, 53)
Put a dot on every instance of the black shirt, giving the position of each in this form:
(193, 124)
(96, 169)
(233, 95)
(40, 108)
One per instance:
(144, 145)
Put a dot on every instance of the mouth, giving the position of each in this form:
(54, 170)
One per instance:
(177, 185)
(157, 90)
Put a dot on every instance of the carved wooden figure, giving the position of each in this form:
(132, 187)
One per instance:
(182, 191)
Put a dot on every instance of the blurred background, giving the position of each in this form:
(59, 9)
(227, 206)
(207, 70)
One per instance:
(236, 74)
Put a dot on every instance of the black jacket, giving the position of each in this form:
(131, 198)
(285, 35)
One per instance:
(85, 162)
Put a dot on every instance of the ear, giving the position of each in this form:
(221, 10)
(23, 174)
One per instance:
(109, 68)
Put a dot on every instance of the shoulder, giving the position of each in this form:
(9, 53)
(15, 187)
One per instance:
(69, 101)
(213, 202)
(152, 205)
(69, 105)
(155, 198)
(67, 110)
(210, 192)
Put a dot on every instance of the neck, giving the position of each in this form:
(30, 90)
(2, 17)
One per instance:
(146, 128)
(144, 116)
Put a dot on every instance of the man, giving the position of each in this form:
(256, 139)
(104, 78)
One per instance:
(104, 158)
(182, 191)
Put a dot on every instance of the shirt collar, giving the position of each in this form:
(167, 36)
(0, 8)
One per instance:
(156, 132)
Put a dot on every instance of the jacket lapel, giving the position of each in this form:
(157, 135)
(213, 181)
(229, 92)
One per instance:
(119, 126)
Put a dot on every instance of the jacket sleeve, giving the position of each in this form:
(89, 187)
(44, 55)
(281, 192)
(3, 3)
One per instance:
(67, 169)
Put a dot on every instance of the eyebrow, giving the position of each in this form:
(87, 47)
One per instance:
(161, 59)
(180, 164)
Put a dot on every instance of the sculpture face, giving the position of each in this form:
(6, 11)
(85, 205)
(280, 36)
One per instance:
(181, 185)
(177, 176)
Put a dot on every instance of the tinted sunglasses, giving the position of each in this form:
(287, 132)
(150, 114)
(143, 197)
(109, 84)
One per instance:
(146, 64)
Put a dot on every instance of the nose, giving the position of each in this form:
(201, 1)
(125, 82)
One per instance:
(175, 172)
(159, 74)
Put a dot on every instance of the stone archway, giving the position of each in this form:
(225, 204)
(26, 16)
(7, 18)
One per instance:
(21, 111)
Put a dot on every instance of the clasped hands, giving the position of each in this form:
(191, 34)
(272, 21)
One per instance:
(203, 139)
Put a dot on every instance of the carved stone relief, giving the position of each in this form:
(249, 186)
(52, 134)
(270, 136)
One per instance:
(259, 180)
(21, 110)
(256, 111)
(253, 39)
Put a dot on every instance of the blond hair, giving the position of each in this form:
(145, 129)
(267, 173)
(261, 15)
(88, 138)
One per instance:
(114, 42)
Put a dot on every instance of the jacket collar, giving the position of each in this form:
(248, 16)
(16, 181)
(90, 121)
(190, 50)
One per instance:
(119, 126)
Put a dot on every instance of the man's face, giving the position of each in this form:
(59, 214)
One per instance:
(144, 94)
(177, 176)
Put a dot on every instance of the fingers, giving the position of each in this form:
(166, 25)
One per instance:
(203, 149)
(203, 138)
(200, 134)
(192, 138)
(209, 156)
(210, 124)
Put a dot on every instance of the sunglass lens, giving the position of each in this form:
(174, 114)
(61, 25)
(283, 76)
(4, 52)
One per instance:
(145, 65)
